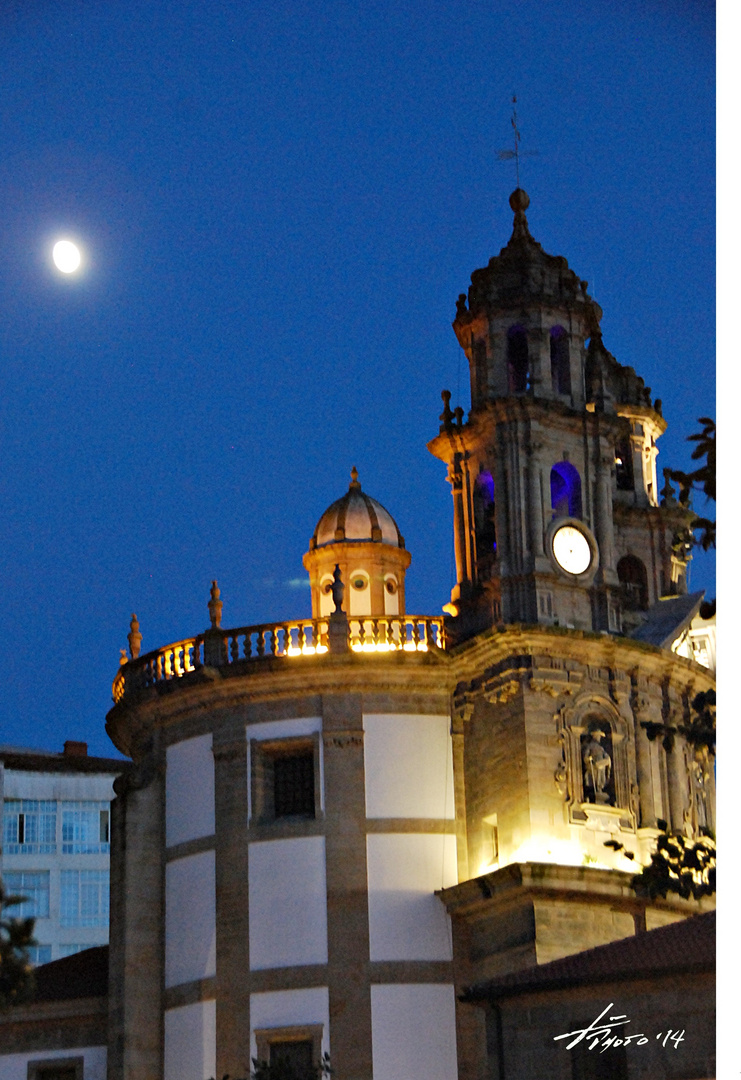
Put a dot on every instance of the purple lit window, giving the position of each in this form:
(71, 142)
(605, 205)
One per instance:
(565, 490)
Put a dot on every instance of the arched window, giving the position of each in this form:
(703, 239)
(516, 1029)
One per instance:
(624, 465)
(565, 490)
(560, 367)
(518, 366)
(633, 583)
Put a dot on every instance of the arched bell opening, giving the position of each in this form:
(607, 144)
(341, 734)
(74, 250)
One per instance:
(560, 366)
(565, 490)
(518, 361)
(633, 583)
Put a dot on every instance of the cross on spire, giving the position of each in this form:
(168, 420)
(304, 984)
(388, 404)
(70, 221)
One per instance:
(516, 154)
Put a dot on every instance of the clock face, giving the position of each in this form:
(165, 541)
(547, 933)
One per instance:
(571, 550)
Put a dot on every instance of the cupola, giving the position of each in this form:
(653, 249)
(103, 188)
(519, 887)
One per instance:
(360, 536)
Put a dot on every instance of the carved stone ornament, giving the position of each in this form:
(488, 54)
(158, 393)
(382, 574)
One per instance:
(340, 740)
(578, 723)
(500, 695)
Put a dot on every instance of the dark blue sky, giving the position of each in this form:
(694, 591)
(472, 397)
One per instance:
(279, 204)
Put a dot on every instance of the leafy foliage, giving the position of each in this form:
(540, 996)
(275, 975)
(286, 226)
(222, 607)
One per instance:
(703, 478)
(16, 937)
(701, 729)
(680, 866)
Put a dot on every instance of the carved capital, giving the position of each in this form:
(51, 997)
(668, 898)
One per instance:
(504, 692)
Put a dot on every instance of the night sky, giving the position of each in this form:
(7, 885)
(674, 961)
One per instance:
(278, 205)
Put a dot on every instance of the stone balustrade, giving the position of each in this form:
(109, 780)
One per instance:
(301, 637)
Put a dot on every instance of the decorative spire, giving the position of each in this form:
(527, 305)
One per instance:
(135, 638)
(215, 606)
(354, 482)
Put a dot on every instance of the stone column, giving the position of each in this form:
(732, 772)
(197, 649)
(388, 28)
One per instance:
(676, 779)
(603, 515)
(459, 526)
(643, 766)
(535, 502)
(136, 1017)
(232, 908)
(348, 944)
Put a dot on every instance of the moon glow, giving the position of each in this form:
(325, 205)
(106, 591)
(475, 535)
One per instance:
(66, 256)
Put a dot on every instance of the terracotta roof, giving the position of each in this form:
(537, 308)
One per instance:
(684, 946)
(14, 757)
(82, 975)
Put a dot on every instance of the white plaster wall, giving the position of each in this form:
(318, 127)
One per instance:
(284, 729)
(407, 921)
(289, 1008)
(15, 1066)
(190, 918)
(360, 599)
(408, 766)
(190, 1042)
(76, 786)
(414, 1032)
(288, 903)
(190, 790)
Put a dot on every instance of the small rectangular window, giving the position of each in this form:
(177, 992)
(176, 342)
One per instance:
(39, 954)
(29, 827)
(285, 779)
(293, 784)
(85, 898)
(68, 1068)
(85, 828)
(294, 1053)
(295, 1056)
(34, 886)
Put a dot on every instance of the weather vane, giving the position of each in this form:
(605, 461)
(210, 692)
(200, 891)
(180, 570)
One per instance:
(508, 155)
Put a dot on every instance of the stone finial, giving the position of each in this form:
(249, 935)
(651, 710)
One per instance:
(460, 305)
(135, 638)
(123, 659)
(519, 201)
(338, 589)
(668, 494)
(354, 482)
(459, 416)
(215, 606)
(446, 416)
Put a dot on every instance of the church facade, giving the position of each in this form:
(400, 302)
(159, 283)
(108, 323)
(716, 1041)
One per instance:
(333, 826)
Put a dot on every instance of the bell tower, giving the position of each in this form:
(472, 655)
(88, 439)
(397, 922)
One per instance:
(556, 508)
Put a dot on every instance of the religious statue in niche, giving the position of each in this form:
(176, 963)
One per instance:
(597, 768)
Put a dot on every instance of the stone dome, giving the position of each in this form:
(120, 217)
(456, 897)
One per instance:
(356, 517)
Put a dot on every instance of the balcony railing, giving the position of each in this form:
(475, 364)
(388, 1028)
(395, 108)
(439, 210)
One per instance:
(285, 640)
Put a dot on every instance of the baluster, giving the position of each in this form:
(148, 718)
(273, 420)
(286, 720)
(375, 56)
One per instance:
(260, 644)
(247, 645)
(274, 641)
(301, 638)
(234, 648)
(415, 632)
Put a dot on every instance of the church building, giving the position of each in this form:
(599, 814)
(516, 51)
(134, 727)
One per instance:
(334, 827)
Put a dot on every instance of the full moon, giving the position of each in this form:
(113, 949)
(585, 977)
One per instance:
(66, 256)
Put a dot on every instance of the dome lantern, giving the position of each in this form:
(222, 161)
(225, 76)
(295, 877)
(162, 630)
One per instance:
(357, 533)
